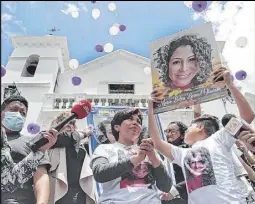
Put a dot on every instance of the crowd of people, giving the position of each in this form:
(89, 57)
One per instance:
(210, 165)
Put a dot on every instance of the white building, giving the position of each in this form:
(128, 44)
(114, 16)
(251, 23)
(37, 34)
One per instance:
(39, 67)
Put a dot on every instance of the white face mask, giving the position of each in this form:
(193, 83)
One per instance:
(13, 121)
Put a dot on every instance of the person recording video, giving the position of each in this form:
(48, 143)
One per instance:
(24, 178)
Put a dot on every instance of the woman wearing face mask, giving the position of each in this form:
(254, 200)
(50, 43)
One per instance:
(69, 157)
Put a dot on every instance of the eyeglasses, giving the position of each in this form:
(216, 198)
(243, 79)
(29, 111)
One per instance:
(167, 131)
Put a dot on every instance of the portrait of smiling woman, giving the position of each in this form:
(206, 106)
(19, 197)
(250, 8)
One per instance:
(184, 63)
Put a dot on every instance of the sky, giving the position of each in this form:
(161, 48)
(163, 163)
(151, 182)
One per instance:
(144, 21)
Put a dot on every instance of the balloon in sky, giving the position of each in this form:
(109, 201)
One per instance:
(241, 42)
(122, 27)
(76, 81)
(112, 6)
(114, 30)
(75, 14)
(99, 48)
(108, 47)
(96, 13)
(199, 6)
(241, 75)
(73, 64)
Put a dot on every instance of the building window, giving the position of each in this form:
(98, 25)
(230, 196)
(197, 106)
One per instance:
(30, 66)
(121, 88)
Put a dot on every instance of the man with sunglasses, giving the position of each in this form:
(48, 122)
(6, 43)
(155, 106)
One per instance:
(178, 194)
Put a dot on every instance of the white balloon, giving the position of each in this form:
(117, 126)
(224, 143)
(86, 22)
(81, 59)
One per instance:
(75, 14)
(188, 3)
(112, 6)
(108, 47)
(96, 13)
(73, 64)
(147, 70)
(241, 42)
(114, 30)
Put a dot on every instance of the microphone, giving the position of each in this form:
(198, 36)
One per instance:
(226, 119)
(79, 111)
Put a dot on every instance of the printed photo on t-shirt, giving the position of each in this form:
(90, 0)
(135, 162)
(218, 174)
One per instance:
(139, 177)
(198, 169)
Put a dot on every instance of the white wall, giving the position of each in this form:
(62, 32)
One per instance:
(34, 109)
(95, 80)
(46, 70)
(33, 88)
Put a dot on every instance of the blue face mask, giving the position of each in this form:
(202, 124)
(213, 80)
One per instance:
(13, 121)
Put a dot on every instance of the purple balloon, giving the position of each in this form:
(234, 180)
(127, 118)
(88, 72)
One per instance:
(199, 6)
(33, 128)
(99, 48)
(122, 27)
(241, 75)
(3, 71)
(76, 80)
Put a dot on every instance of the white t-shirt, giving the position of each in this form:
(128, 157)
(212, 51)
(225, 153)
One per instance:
(239, 169)
(136, 188)
(209, 170)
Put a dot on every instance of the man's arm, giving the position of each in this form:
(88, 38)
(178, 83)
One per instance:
(159, 143)
(197, 110)
(14, 175)
(41, 185)
(244, 107)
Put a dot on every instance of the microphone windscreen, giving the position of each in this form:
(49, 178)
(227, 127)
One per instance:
(226, 118)
(82, 109)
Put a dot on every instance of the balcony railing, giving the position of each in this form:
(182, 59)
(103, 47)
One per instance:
(66, 101)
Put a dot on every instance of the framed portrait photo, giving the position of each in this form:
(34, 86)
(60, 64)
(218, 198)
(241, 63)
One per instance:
(182, 65)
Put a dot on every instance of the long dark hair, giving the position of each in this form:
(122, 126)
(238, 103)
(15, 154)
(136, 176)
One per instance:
(201, 49)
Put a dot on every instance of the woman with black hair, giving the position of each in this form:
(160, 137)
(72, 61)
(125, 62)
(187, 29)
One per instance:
(185, 62)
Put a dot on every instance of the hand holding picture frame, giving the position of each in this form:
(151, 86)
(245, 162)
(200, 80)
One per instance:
(182, 66)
